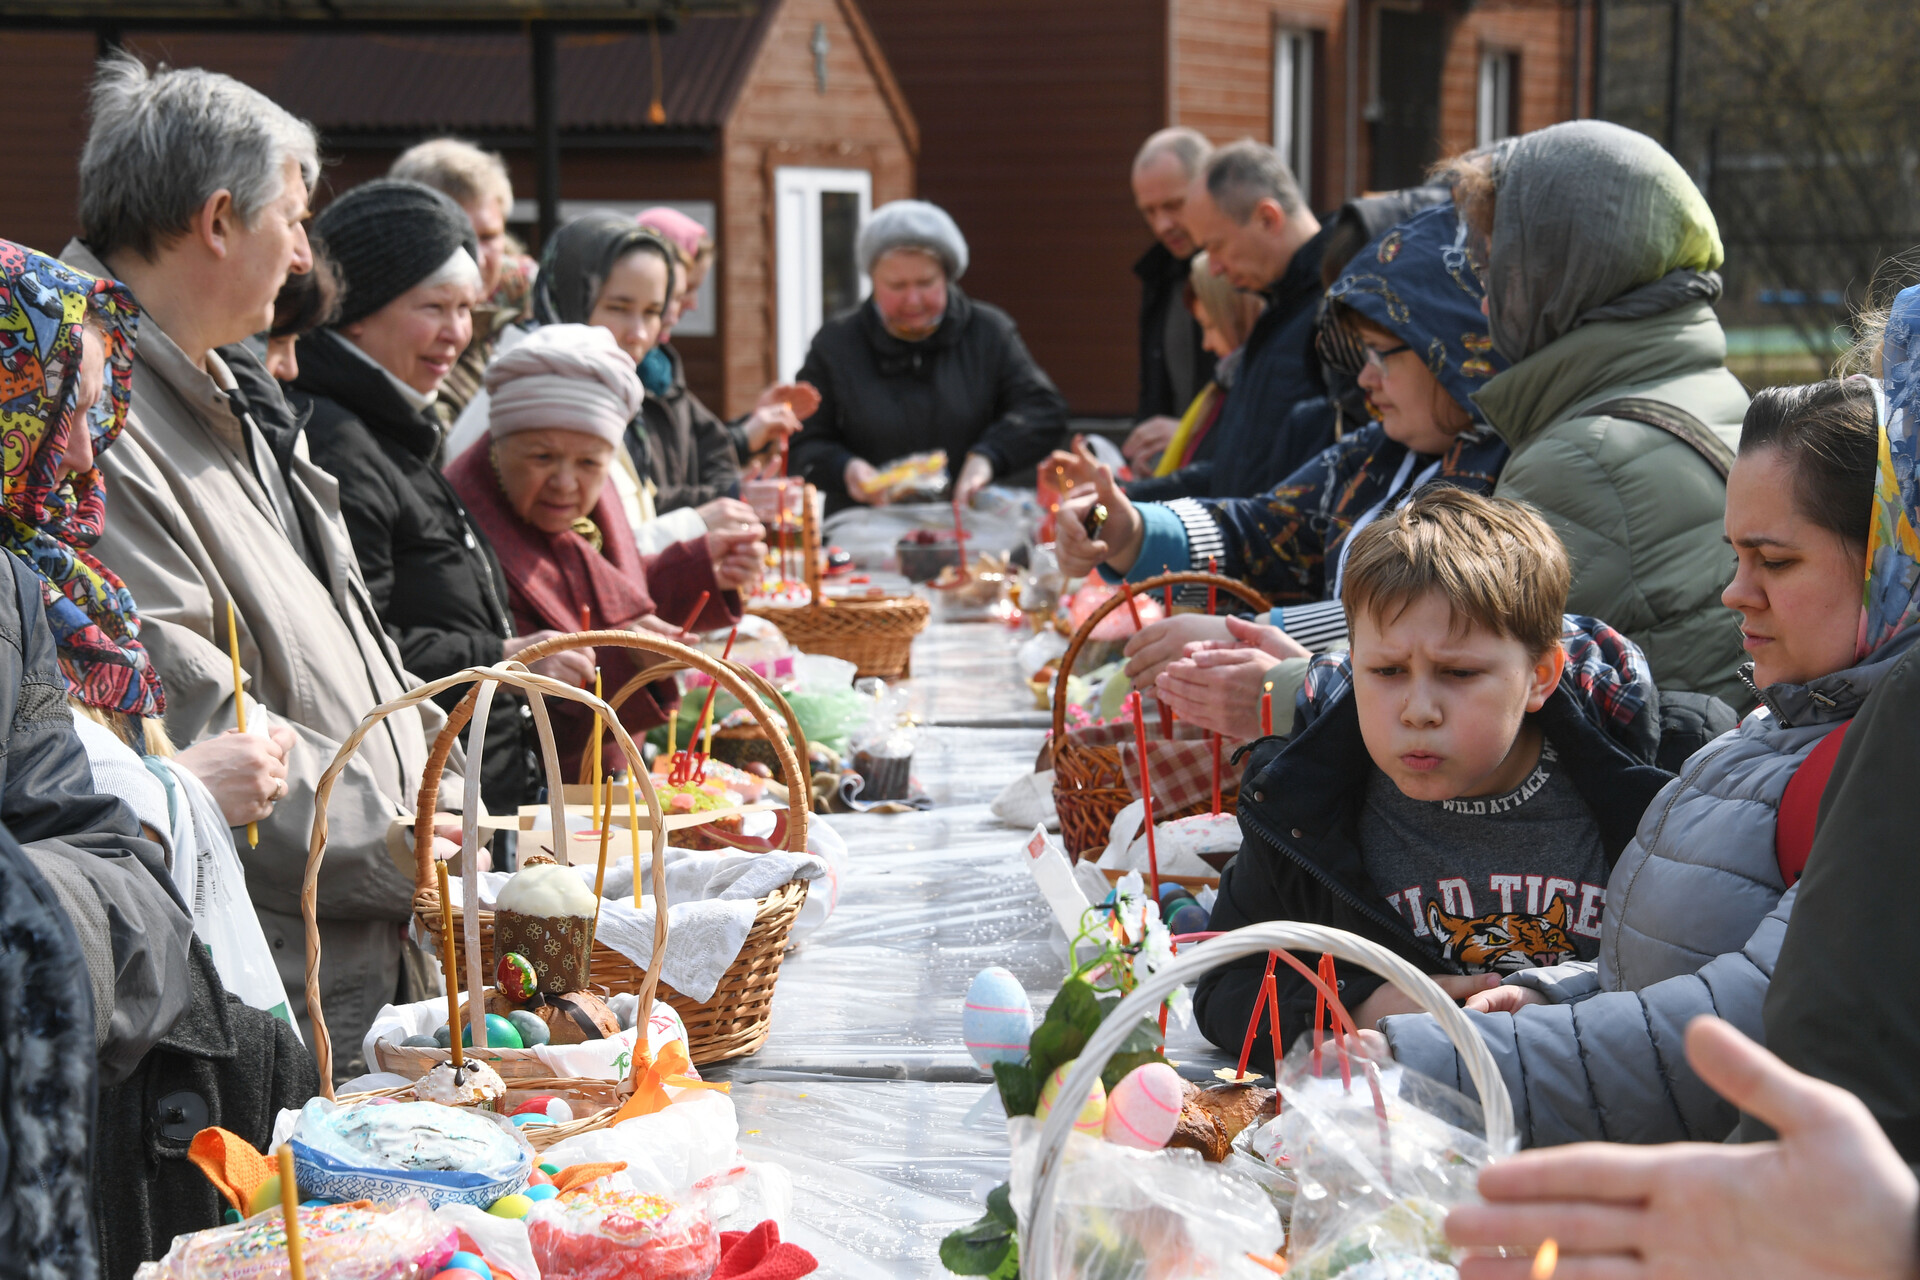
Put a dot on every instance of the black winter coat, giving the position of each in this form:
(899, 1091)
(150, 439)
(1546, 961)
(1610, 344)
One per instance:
(970, 388)
(1259, 439)
(223, 1064)
(1163, 286)
(433, 579)
(683, 446)
(1300, 804)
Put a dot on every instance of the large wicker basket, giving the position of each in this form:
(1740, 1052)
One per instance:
(875, 635)
(1036, 1237)
(735, 1020)
(1089, 789)
(522, 1067)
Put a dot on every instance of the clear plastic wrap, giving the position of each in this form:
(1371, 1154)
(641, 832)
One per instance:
(1380, 1155)
(340, 1242)
(1122, 1214)
(606, 1232)
(388, 1152)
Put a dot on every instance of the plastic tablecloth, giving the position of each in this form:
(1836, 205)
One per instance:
(864, 1089)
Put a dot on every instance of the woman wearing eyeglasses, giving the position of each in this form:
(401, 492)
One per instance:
(1406, 315)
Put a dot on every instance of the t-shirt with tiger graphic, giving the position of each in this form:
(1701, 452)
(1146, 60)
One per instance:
(1497, 883)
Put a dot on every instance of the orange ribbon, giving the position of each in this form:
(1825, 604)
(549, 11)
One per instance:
(650, 1086)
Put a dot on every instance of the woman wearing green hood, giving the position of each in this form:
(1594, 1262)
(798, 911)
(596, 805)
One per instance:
(1618, 408)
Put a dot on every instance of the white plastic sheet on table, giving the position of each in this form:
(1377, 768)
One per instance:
(864, 1088)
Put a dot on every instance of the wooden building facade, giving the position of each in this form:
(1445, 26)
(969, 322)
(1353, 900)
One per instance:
(1031, 110)
(778, 125)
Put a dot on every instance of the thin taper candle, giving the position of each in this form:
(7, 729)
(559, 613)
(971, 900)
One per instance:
(290, 1207)
(239, 703)
(452, 974)
(1216, 773)
(1126, 589)
(1146, 796)
(1266, 711)
(599, 734)
(1166, 711)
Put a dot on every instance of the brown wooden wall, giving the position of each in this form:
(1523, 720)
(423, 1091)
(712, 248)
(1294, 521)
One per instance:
(1029, 114)
(46, 74)
(781, 118)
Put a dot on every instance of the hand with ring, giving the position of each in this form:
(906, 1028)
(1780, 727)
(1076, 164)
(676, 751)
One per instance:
(246, 772)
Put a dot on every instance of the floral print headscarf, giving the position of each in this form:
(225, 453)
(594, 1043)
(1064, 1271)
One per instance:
(47, 518)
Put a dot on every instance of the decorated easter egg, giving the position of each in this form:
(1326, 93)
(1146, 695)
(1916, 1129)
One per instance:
(442, 1037)
(471, 1262)
(544, 1192)
(265, 1196)
(530, 1119)
(1190, 918)
(546, 1106)
(1144, 1107)
(421, 1042)
(515, 978)
(532, 1030)
(1092, 1116)
(500, 1034)
(997, 1021)
(513, 1206)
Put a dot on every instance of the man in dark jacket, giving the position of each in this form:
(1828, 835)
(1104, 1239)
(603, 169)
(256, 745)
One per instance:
(1301, 806)
(921, 366)
(1174, 366)
(1247, 212)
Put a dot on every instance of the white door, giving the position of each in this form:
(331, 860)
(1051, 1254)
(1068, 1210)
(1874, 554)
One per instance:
(818, 214)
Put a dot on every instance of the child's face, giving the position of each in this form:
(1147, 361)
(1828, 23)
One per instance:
(1441, 706)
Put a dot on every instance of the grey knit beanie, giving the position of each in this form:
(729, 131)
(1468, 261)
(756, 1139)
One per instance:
(913, 224)
(387, 236)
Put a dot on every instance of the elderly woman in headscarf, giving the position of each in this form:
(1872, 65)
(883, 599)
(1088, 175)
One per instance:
(1602, 270)
(168, 1017)
(558, 405)
(920, 366)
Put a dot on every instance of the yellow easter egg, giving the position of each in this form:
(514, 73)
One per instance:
(1092, 1116)
(265, 1196)
(513, 1206)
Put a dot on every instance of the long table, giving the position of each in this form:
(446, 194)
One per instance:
(864, 1089)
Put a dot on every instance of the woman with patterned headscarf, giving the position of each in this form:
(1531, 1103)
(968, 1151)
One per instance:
(1820, 501)
(1407, 314)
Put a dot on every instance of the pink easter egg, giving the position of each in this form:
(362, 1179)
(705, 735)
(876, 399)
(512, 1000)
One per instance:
(1144, 1107)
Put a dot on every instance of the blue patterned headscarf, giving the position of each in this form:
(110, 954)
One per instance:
(1419, 282)
(1891, 599)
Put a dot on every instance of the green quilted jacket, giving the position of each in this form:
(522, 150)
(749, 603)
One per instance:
(1639, 510)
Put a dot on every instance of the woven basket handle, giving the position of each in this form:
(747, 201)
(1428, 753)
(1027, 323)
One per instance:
(519, 678)
(1036, 1244)
(1232, 586)
(724, 673)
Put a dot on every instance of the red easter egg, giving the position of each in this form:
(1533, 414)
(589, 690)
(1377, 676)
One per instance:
(537, 1104)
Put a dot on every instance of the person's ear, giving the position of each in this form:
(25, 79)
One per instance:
(1546, 676)
(215, 222)
(1273, 219)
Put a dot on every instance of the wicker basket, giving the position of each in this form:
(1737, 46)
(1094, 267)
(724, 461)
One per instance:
(735, 1020)
(1036, 1240)
(522, 1065)
(1089, 789)
(875, 635)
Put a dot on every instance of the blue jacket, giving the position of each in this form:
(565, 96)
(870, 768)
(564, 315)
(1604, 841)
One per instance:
(1259, 439)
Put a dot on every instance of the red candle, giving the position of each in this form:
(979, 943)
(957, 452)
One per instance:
(1212, 591)
(1126, 589)
(960, 536)
(699, 607)
(1266, 711)
(1216, 774)
(1146, 793)
(1166, 712)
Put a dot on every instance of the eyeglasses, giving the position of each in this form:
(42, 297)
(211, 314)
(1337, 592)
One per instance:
(1378, 358)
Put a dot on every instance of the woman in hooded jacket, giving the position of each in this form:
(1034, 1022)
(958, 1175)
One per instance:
(1405, 315)
(1699, 902)
(1602, 270)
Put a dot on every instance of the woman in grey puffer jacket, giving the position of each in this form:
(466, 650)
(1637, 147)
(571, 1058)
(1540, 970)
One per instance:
(1697, 904)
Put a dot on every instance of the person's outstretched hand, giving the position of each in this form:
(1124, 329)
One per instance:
(569, 666)
(1218, 683)
(1119, 542)
(725, 513)
(771, 424)
(1147, 441)
(1157, 644)
(1830, 1198)
(976, 473)
(246, 772)
(801, 397)
(738, 555)
(859, 478)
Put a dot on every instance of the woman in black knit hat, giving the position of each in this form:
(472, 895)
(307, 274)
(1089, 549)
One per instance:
(406, 259)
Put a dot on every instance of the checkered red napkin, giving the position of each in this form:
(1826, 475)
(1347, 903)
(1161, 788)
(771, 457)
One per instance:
(1182, 769)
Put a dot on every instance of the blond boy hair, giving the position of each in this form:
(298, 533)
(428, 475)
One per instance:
(458, 169)
(1497, 564)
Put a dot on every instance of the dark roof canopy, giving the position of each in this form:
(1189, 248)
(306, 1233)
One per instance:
(360, 13)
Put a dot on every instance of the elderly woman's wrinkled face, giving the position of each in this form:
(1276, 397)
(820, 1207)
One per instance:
(552, 477)
(78, 455)
(632, 305)
(910, 291)
(420, 334)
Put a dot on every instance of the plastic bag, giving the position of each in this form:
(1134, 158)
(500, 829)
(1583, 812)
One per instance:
(667, 1152)
(501, 1241)
(214, 885)
(1380, 1156)
(608, 1232)
(390, 1152)
(1122, 1214)
(339, 1241)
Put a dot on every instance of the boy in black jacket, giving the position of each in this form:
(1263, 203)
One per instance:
(1459, 786)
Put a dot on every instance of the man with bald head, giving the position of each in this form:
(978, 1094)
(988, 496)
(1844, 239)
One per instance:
(1173, 365)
